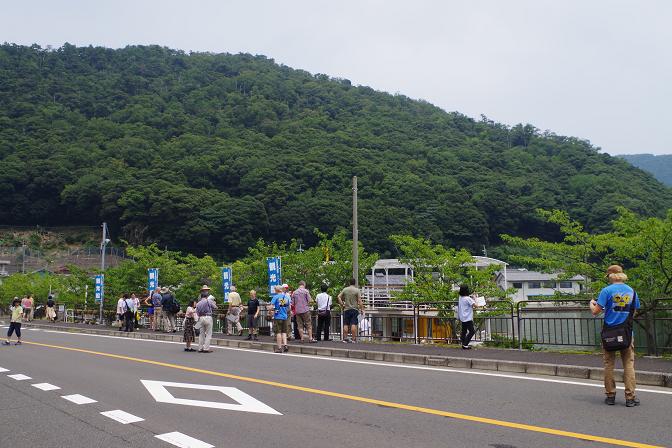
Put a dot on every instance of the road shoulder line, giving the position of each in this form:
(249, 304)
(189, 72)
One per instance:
(660, 379)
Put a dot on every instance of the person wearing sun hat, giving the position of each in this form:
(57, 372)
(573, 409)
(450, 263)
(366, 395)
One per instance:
(205, 308)
(617, 301)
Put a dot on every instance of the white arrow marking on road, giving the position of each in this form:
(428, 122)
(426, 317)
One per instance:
(183, 440)
(20, 377)
(46, 386)
(3, 369)
(246, 403)
(122, 417)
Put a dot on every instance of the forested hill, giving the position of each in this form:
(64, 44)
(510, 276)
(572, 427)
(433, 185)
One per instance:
(660, 166)
(208, 152)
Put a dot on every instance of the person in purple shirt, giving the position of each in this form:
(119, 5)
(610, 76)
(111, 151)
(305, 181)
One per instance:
(302, 300)
(205, 308)
(616, 300)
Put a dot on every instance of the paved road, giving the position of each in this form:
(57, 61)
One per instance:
(549, 357)
(297, 400)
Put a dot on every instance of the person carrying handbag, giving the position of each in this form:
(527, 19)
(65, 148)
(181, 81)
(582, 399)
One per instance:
(324, 302)
(190, 318)
(619, 302)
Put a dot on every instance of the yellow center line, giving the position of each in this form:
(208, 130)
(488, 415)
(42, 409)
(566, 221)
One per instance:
(390, 404)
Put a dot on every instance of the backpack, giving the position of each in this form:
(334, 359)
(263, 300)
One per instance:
(174, 306)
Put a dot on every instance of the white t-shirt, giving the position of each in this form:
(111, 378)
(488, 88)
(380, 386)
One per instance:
(323, 300)
(465, 309)
(121, 307)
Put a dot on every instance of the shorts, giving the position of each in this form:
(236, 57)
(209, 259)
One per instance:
(280, 326)
(150, 311)
(351, 317)
(303, 319)
(251, 321)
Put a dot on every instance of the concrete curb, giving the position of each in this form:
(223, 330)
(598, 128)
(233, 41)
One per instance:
(660, 379)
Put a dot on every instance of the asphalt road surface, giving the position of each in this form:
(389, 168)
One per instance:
(142, 393)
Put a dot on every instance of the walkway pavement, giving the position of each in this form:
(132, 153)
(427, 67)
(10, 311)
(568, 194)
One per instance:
(653, 371)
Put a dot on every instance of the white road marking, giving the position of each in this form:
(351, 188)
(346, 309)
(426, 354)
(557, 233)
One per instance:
(20, 377)
(2, 369)
(46, 386)
(122, 417)
(375, 363)
(246, 403)
(183, 440)
(79, 399)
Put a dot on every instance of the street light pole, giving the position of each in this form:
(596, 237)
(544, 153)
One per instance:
(355, 234)
(103, 246)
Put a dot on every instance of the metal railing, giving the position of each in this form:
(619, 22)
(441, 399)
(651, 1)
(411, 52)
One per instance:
(526, 324)
(570, 323)
(437, 321)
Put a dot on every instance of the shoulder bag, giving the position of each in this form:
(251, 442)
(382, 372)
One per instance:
(619, 337)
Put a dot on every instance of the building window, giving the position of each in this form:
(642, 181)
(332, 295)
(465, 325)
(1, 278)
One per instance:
(566, 285)
(534, 285)
(518, 285)
(549, 284)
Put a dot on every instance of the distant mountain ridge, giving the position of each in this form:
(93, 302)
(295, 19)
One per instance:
(658, 165)
(209, 152)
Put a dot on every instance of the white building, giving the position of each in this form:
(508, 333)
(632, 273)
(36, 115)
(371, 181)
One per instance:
(532, 285)
(388, 276)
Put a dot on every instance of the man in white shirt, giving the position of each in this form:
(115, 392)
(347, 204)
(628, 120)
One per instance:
(233, 313)
(465, 313)
(324, 302)
(121, 309)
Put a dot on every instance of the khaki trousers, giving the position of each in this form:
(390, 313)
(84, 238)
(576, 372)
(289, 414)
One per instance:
(158, 318)
(205, 334)
(628, 360)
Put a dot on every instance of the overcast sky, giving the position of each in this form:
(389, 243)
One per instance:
(595, 69)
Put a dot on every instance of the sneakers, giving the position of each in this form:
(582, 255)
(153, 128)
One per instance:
(19, 343)
(466, 347)
(249, 337)
(5, 342)
(632, 403)
(610, 400)
(255, 337)
(277, 350)
(285, 348)
(313, 341)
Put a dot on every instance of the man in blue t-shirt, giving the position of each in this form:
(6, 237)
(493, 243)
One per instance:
(280, 309)
(616, 300)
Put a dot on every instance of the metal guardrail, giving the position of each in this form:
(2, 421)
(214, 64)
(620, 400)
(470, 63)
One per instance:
(662, 326)
(437, 321)
(570, 323)
(526, 324)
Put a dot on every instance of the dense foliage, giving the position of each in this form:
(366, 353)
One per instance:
(660, 166)
(643, 246)
(209, 153)
(329, 263)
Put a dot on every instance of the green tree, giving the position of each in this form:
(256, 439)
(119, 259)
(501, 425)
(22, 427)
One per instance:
(438, 271)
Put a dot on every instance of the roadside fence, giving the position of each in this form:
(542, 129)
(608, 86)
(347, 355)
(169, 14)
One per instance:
(523, 325)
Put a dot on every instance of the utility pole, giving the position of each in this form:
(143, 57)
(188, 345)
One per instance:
(103, 246)
(355, 234)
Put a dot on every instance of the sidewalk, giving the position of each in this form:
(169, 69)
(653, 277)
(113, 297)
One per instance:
(650, 371)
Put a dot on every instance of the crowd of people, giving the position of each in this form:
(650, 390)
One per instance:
(289, 314)
(289, 309)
